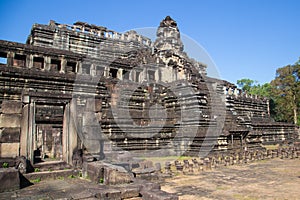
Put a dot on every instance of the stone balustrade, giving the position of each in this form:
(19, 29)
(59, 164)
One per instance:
(198, 165)
(238, 93)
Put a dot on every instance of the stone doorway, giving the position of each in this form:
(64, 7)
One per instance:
(48, 134)
(49, 142)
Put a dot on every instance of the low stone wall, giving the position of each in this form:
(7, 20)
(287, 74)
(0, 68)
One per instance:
(197, 165)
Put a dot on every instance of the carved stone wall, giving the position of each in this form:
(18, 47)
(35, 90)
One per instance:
(59, 91)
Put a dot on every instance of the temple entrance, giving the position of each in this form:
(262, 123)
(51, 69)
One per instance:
(48, 142)
(49, 131)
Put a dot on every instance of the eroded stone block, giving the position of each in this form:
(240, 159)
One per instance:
(10, 135)
(108, 174)
(11, 107)
(9, 179)
(9, 150)
(10, 120)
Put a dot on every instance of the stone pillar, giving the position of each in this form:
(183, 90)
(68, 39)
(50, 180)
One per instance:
(120, 74)
(106, 71)
(27, 129)
(47, 62)
(63, 64)
(69, 137)
(29, 61)
(24, 126)
(78, 67)
(10, 58)
(93, 70)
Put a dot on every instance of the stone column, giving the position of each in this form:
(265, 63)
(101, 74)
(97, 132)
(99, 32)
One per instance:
(78, 67)
(69, 137)
(47, 63)
(24, 126)
(63, 64)
(120, 74)
(29, 61)
(10, 58)
(27, 129)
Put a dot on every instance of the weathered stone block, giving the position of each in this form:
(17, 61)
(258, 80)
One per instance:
(10, 135)
(98, 104)
(92, 132)
(82, 195)
(11, 107)
(116, 175)
(10, 120)
(108, 173)
(129, 192)
(157, 195)
(89, 119)
(90, 105)
(9, 179)
(9, 150)
(109, 194)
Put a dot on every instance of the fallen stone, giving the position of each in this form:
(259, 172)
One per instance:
(108, 174)
(9, 179)
(157, 195)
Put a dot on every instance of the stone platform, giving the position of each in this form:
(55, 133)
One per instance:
(75, 188)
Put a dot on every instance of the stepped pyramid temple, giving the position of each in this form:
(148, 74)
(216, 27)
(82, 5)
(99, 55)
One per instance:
(83, 86)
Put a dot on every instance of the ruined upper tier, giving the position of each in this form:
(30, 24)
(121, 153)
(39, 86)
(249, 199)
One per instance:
(97, 41)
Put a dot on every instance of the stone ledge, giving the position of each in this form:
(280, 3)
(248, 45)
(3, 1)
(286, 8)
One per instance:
(50, 174)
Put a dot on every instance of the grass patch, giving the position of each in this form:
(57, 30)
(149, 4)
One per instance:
(37, 170)
(60, 178)
(5, 165)
(37, 180)
(72, 176)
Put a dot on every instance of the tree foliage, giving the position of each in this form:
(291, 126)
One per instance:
(286, 93)
(283, 92)
(253, 87)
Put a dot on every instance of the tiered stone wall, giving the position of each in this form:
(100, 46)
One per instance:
(68, 80)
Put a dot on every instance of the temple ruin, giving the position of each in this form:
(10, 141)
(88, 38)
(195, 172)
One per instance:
(84, 86)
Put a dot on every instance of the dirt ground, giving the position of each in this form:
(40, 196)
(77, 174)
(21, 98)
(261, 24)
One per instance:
(267, 179)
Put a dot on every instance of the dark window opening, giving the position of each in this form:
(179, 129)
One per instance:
(19, 60)
(71, 67)
(151, 75)
(55, 65)
(113, 72)
(38, 62)
(99, 71)
(137, 76)
(3, 58)
(125, 75)
(86, 68)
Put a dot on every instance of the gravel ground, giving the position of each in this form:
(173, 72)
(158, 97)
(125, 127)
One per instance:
(267, 179)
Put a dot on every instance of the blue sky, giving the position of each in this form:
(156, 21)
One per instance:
(245, 38)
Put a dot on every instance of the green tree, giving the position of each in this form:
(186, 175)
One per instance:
(286, 93)
(245, 84)
(252, 87)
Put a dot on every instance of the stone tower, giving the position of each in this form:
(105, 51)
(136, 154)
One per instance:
(168, 36)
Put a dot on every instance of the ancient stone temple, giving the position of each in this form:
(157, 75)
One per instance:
(84, 86)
